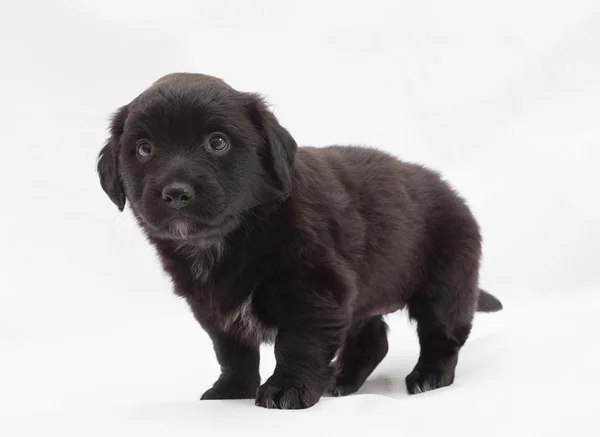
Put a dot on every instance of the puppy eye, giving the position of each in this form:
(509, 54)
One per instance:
(144, 150)
(218, 142)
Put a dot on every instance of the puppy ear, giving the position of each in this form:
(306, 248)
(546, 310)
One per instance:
(108, 161)
(281, 147)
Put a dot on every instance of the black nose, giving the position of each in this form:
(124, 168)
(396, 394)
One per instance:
(177, 194)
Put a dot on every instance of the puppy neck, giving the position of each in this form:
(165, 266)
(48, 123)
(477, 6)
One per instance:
(203, 256)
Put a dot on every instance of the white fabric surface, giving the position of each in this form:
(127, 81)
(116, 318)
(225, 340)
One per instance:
(502, 97)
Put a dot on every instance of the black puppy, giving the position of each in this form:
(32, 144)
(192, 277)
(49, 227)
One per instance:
(306, 247)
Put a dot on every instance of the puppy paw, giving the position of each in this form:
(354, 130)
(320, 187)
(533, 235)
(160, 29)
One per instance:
(344, 386)
(419, 381)
(224, 389)
(287, 395)
(344, 389)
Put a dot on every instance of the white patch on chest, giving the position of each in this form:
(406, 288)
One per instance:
(244, 322)
(180, 228)
(203, 257)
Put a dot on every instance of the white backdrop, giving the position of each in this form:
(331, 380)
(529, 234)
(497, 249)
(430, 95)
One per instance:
(502, 97)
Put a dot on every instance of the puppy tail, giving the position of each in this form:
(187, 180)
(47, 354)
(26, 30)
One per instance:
(488, 303)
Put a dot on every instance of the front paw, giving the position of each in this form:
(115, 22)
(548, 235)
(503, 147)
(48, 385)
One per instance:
(230, 389)
(284, 394)
(420, 381)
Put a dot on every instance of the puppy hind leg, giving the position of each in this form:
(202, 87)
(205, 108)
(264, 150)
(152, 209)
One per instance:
(444, 319)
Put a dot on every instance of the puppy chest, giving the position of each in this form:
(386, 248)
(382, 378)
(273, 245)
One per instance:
(244, 322)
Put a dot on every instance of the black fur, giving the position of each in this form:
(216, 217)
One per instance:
(308, 247)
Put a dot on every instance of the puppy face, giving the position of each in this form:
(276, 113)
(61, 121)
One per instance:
(193, 156)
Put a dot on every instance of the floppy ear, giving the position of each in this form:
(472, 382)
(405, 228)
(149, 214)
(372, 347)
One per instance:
(281, 147)
(108, 161)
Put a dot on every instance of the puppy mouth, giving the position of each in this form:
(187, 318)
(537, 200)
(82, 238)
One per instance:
(184, 228)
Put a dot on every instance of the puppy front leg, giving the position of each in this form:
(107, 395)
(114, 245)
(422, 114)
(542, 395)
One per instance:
(239, 363)
(304, 348)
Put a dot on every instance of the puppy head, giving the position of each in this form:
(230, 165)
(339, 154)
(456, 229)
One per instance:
(192, 155)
